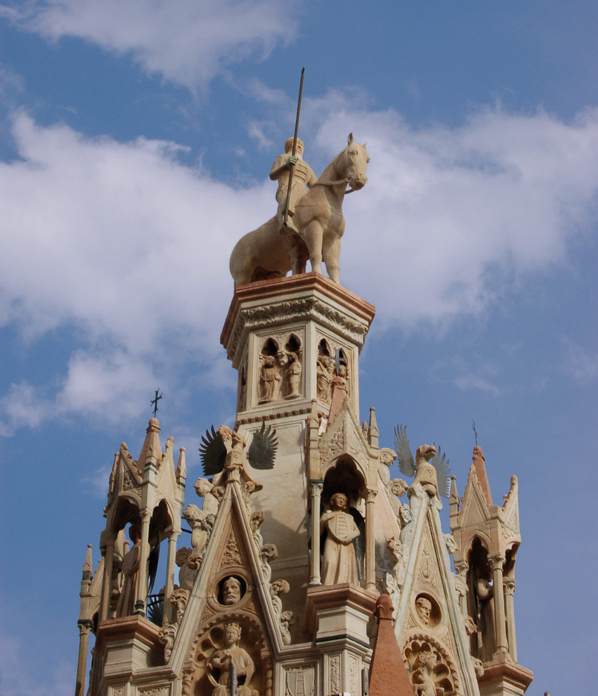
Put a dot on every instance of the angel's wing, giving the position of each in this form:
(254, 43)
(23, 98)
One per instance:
(443, 472)
(212, 452)
(406, 461)
(262, 451)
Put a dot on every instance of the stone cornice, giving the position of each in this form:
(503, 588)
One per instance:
(310, 296)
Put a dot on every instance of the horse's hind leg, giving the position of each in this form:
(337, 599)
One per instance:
(298, 255)
(332, 253)
(313, 234)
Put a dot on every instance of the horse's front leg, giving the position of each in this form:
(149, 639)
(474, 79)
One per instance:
(331, 254)
(312, 235)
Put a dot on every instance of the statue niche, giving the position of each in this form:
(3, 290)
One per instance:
(280, 370)
(480, 602)
(293, 368)
(324, 371)
(270, 372)
(342, 527)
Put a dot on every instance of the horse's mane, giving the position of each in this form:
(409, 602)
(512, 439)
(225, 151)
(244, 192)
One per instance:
(332, 166)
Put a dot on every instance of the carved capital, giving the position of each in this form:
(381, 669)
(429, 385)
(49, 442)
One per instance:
(497, 562)
(371, 496)
(317, 487)
(509, 585)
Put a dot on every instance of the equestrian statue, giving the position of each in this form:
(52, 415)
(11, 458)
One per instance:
(309, 222)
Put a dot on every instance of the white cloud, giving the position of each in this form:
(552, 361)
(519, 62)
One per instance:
(473, 382)
(451, 216)
(128, 246)
(188, 42)
(22, 407)
(582, 364)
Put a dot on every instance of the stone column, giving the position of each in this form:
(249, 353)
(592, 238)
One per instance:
(497, 563)
(84, 629)
(141, 589)
(316, 496)
(370, 542)
(510, 613)
(107, 579)
(172, 537)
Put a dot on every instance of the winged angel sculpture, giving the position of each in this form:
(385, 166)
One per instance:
(431, 466)
(226, 450)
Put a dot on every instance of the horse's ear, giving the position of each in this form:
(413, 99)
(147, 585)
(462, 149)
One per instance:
(350, 139)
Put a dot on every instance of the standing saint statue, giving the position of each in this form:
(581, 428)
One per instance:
(324, 373)
(293, 375)
(232, 654)
(270, 379)
(130, 567)
(340, 561)
(303, 178)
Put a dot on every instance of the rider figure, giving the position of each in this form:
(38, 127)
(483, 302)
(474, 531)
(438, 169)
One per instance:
(303, 178)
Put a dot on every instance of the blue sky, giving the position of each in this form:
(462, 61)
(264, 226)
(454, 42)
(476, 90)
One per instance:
(135, 140)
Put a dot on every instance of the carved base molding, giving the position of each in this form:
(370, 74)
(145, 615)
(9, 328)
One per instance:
(339, 612)
(503, 676)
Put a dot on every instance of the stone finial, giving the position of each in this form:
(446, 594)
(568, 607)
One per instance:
(388, 674)
(373, 429)
(478, 464)
(454, 498)
(151, 445)
(181, 469)
(87, 569)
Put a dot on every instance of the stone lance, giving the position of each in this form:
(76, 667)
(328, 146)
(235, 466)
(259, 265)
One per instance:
(293, 152)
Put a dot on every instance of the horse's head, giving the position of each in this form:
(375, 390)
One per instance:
(355, 160)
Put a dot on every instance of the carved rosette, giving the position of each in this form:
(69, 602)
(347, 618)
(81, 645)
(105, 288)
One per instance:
(430, 666)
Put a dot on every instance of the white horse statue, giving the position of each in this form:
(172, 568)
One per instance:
(269, 252)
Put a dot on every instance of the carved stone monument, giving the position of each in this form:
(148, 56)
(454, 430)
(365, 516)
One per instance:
(299, 523)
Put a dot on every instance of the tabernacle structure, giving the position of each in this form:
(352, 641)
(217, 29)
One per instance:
(309, 570)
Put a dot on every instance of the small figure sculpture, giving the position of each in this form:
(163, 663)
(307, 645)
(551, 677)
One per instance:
(188, 564)
(270, 379)
(293, 375)
(277, 588)
(167, 636)
(398, 487)
(395, 546)
(324, 372)
(431, 466)
(129, 569)
(303, 178)
(424, 675)
(340, 561)
(423, 607)
(286, 619)
(223, 450)
(268, 553)
(231, 590)
(201, 524)
(219, 665)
